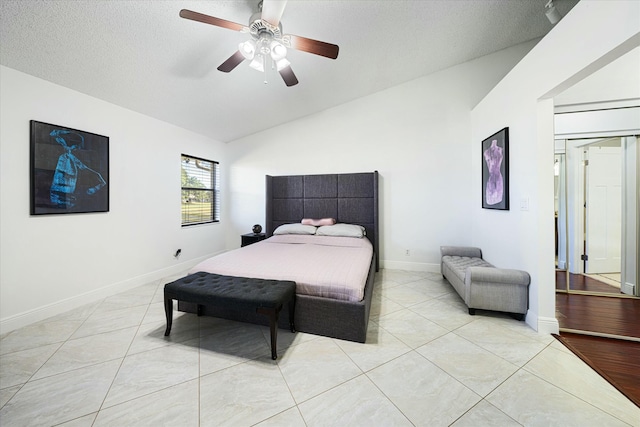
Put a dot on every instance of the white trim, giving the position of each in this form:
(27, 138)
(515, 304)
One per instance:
(628, 288)
(26, 318)
(591, 106)
(546, 325)
(599, 334)
(575, 203)
(597, 123)
(590, 135)
(410, 266)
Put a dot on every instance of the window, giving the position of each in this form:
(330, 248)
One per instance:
(200, 190)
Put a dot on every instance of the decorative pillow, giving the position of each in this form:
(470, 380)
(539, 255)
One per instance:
(342, 230)
(295, 229)
(318, 222)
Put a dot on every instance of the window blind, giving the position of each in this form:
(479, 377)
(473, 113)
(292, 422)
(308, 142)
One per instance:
(200, 195)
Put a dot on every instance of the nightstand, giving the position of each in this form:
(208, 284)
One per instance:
(250, 238)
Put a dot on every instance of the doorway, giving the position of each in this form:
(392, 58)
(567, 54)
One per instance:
(595, 180)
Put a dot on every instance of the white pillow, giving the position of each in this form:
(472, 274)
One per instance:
(342, 230)
(295, 229)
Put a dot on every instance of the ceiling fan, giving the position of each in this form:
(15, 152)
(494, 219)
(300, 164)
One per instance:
(267, 46)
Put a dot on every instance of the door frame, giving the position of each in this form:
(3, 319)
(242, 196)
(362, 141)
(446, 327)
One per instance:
(601, 120)
(575, 193)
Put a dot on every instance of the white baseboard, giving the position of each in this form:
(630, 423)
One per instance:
(410, 266)
(545, 325)
(628, 288)
(26, 318)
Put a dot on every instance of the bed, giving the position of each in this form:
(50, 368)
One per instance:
(332, 307)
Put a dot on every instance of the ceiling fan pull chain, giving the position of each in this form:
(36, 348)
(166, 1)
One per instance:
(266, 69)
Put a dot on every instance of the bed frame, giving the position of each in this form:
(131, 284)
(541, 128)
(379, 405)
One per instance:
(349, 198)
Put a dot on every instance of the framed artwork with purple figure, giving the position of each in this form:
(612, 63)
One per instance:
(69, 170)
(495, 171)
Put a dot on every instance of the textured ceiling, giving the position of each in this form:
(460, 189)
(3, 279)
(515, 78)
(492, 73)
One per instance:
(142, 56)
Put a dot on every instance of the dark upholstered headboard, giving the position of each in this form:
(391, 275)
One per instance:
(348, 197)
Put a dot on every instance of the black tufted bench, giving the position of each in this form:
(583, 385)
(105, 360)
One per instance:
(265, 296)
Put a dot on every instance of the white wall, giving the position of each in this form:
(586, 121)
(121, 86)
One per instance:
(617, 81)
(416, 135)
(51, 263)
(523, 102)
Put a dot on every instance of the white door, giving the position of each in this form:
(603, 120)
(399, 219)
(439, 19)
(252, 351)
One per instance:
(603, 210)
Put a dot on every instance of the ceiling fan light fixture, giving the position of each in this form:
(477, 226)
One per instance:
(264, 44)
(248, 49)
(257, 63)
(278, 51)
(268, 47)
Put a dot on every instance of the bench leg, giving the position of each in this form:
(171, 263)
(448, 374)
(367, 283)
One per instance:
(168, 311)
(272, 313)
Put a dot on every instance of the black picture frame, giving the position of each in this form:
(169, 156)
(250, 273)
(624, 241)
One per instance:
(495, 171)
(69, 170)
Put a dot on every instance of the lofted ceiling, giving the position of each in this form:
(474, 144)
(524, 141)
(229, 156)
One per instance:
(142, 56)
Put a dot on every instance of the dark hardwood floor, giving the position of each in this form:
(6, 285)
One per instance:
(616, 360)
(579, 282)
(605, 315)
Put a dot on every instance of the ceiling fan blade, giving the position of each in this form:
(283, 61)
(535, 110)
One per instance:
(231, 63)
(288, 76)
(316, 47)
(272, 11)
(200, 17)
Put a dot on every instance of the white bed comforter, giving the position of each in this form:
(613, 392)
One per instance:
(323, 266)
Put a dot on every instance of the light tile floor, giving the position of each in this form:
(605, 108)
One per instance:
(426, 363)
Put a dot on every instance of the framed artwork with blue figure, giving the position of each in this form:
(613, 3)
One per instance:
(69, 170)
(495, 171)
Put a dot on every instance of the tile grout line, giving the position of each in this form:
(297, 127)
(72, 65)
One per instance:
(126, 353)
(489, 322)
(63, 342)
(568, 391)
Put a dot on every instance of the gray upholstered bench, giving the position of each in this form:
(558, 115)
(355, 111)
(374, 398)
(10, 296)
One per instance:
(264, 296)
(481, 285)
